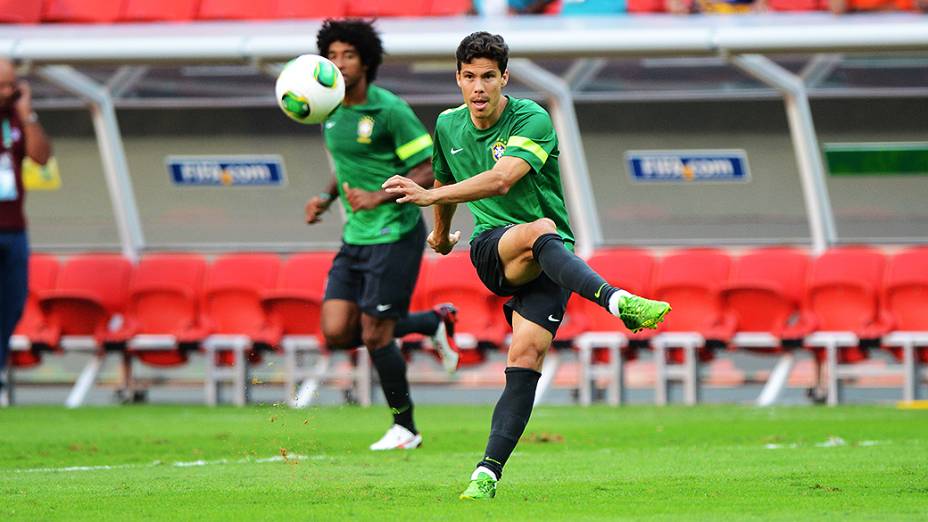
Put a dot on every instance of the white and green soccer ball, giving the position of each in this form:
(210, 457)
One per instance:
(309, 88)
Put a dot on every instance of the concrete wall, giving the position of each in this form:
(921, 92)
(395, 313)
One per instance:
(767, 209)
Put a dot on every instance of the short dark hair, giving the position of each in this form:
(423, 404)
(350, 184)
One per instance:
(483, 45)
(358, 33)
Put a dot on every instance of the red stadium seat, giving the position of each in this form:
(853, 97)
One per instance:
(691, 281)
(162, 320)
(43, 272)
(82, 310)
(843, 296)
(294, 308)
(842, 300)
(20, 11)
(450, 7)
(379, 8)
(646, 6)
(764, 294)
(797, 5)
(905, 300)
(295, 9)
(82, 11)
(604, 345)
(235, 10)
(294, 305)
(233, 314)
(452, 278)
(90, 290)
(232, 297)
(159, 10)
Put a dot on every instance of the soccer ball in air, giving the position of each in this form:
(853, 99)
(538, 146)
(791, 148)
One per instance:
(309, 88)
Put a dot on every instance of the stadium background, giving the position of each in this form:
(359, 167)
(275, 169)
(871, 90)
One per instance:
(625, 100)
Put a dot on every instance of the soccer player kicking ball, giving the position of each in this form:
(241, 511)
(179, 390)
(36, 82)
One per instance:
(372, 136)
(499, 155)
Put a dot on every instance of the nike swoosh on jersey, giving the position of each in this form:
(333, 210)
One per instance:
(455, 151)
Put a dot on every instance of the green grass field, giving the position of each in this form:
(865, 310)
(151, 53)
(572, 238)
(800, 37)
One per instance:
(708, 463)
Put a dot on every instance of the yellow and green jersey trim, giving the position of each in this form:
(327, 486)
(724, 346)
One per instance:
(528, 146)
(411, 148)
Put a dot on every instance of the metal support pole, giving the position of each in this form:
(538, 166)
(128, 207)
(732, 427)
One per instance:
(577, 187)
(805, 143)
(112, 151)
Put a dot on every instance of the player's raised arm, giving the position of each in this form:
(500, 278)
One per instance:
(494, 182)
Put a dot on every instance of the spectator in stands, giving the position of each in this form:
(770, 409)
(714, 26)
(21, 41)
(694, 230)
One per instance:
(714, 6)
(866, 6)
(22, 136)
(510, 7)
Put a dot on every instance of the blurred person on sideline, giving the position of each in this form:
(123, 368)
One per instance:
(22, 135)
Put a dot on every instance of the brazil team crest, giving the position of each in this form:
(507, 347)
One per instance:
(365, 129)
(498, 149)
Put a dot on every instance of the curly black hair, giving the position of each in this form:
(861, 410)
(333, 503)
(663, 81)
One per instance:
(483, 45)
(358, 33)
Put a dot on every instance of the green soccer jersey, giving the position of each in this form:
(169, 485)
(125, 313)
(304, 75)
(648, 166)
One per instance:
(370, 143)
(524, 130)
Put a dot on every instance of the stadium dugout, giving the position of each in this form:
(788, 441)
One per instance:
(556, 58)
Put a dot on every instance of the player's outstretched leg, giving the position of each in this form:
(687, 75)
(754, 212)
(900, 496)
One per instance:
(438, 324)
(539, 241)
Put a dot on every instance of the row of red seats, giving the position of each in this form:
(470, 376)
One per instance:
(110, 11)
(778, 291)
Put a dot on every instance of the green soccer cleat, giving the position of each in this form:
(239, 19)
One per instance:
(639, 313)
(481, 488)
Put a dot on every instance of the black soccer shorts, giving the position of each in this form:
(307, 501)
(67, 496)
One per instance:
(379, 278)
(541, 301)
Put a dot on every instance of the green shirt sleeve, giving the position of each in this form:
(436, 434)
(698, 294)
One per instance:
(439, 165)
(411, 140)
(532, 139)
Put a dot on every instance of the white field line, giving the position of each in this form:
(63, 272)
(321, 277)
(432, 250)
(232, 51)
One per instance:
(832, 442)
(179, 464)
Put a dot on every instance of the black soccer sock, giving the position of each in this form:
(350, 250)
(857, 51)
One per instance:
(424, 323)
(569, 271)
(510, 417)
(392, 370)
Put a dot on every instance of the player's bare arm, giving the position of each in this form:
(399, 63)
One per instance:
(440, 239)
(317, 205)
(494, 182)
(360, 199)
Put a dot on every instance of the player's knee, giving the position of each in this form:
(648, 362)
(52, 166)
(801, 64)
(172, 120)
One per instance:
(338, 337)
(528, 355)
(531, 360)
(542, 226)
(374, 338)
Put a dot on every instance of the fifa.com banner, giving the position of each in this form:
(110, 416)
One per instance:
(227, 171)
(688, 166)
